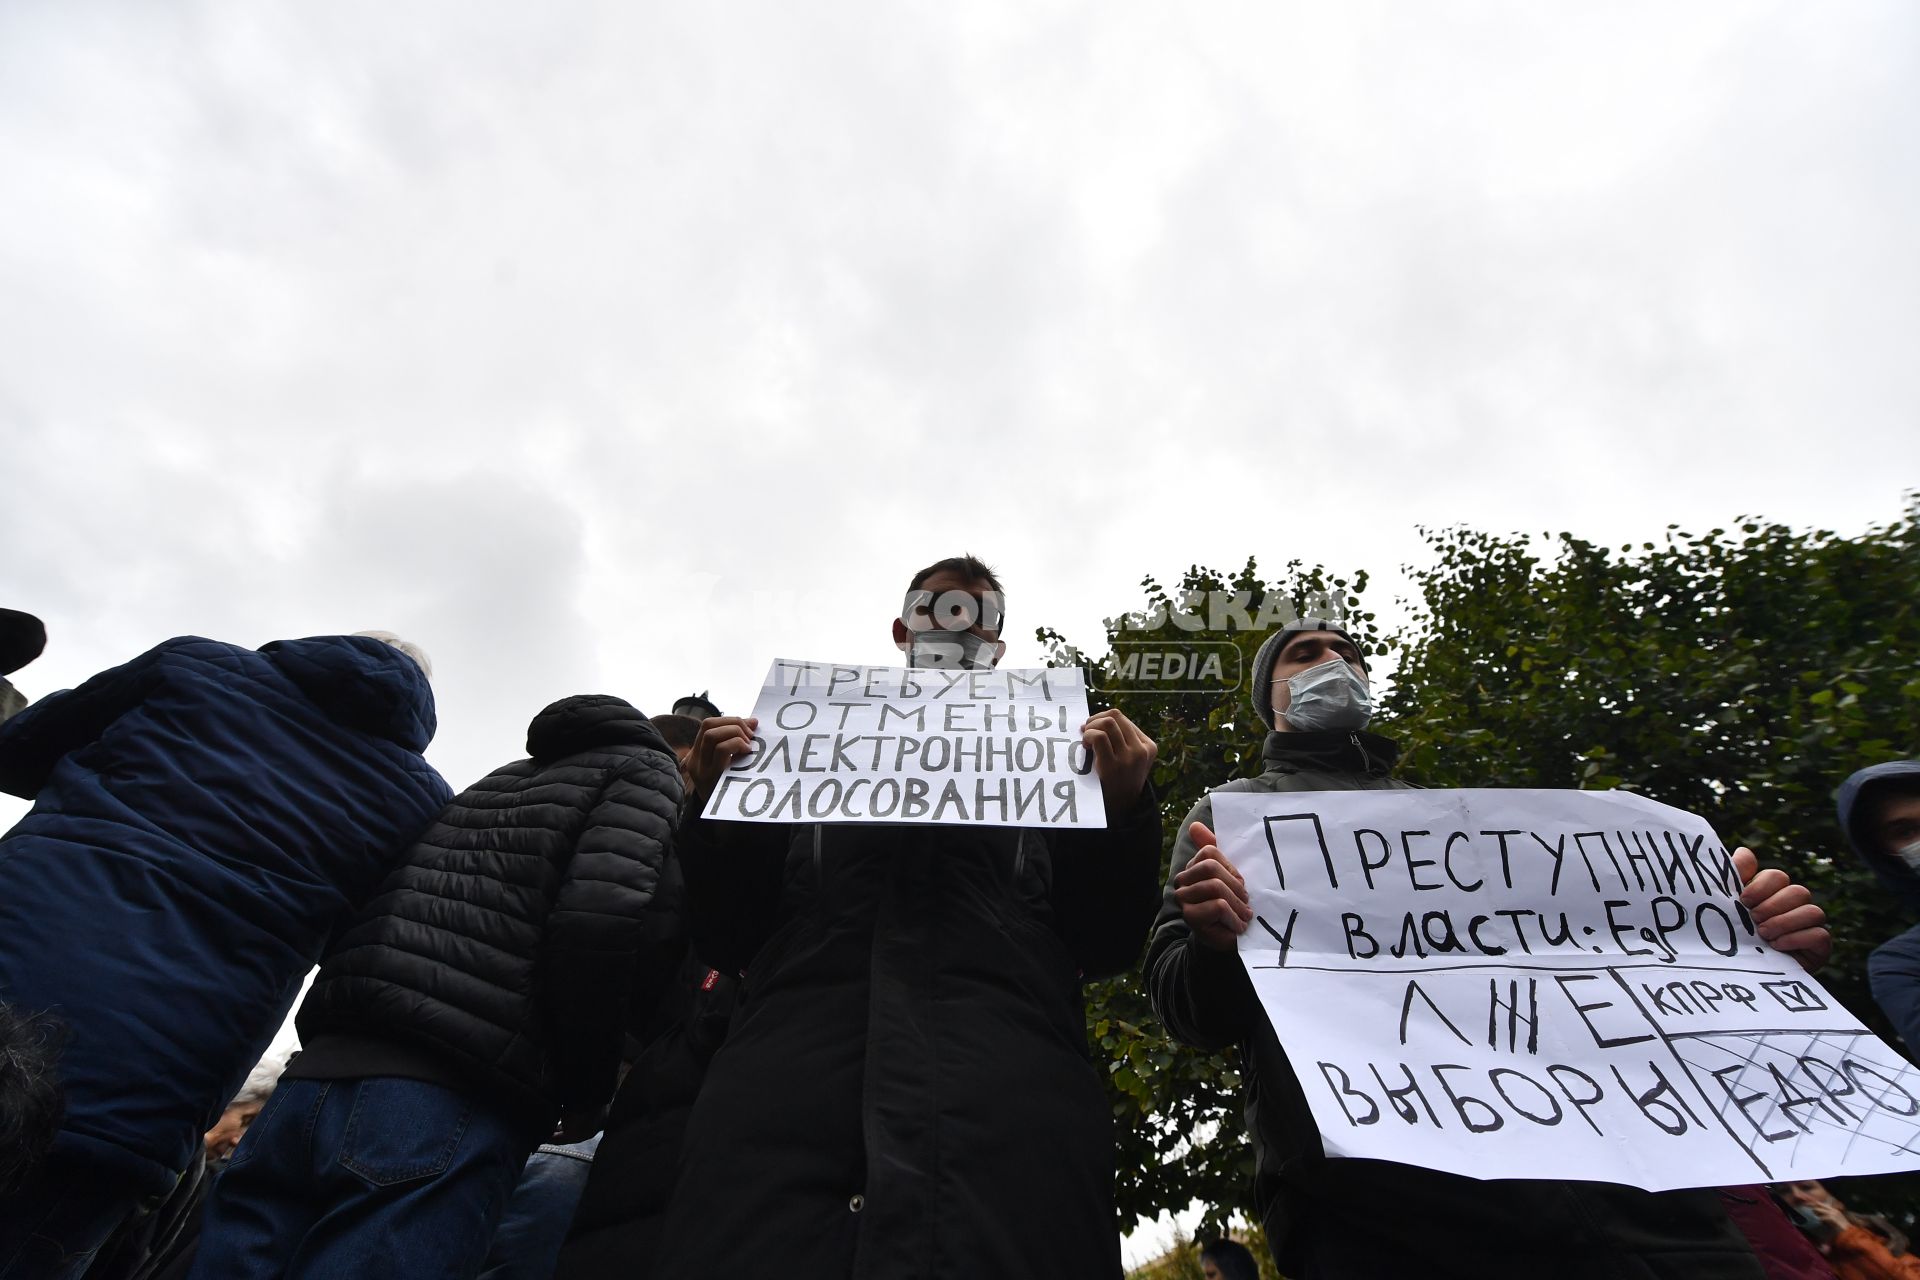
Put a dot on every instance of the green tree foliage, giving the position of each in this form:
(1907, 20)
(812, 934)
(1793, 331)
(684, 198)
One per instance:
(1177, 1110)
(1740, 674)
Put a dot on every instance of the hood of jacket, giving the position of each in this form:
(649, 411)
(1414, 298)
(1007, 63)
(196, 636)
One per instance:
(587, 722)
(362, 682)
(1892, 873)
(1330, 751)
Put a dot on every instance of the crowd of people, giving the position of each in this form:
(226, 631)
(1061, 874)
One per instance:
(564, 1024)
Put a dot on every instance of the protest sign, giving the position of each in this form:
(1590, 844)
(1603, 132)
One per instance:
(1549, 984)
(844, 743)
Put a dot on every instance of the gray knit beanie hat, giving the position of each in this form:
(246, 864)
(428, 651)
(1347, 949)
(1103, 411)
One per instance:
(1260, 688)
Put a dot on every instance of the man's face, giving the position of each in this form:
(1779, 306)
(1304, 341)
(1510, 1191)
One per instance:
(230, 1128)
(1809, 1193)
(1309, 649)
(1895, 823)
(1209, 1270)
(946, 601)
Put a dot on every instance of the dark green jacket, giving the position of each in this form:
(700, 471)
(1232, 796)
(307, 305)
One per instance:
(1360, 1219)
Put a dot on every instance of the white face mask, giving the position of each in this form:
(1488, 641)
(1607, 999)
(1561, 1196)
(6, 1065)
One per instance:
(1910, 854)
(1330, 695)
(951, 651)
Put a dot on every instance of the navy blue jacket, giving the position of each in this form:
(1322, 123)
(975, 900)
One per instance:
(203, 817)
(1893, 970)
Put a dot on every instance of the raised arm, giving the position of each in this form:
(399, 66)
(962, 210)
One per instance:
(1194, 975)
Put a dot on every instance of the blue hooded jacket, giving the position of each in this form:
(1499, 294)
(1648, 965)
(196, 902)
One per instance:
(1893, 970)
(203, 817)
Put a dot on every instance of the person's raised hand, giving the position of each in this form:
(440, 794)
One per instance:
(1212, 896)
(722, 740)
(1123, 757)
(1784, 912)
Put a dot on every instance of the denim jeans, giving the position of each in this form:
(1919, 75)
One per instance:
(51, 1228)
(359, 1179)
(526, 1244)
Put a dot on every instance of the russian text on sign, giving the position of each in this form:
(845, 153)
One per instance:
(1549, 984)
(846, 743)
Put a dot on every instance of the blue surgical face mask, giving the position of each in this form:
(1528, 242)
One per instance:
(1331, 695)
(1910, 854)
(951, 651)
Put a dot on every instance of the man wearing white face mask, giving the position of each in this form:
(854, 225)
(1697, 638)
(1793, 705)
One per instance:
(1352, 1219)
(1880, 812)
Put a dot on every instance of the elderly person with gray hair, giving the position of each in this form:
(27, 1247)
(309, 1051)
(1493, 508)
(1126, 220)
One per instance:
(203, 817)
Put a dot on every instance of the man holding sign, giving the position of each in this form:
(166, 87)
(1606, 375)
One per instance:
(906, 1089)
(1354, 1218)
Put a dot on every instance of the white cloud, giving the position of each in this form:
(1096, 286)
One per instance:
(596, 345)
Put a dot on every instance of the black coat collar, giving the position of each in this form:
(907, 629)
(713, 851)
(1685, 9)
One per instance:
(1333, 751)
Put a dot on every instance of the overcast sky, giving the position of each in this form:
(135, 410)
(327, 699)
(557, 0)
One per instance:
(606, 347)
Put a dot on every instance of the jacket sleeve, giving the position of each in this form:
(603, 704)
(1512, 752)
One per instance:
(33, 742)
(734, 872)
(1103, 887)
(1204, 996)
(1859, 1254)
(1893, 974)
(616, 933)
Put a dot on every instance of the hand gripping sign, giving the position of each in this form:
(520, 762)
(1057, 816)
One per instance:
(844, 743)
(1549, 984)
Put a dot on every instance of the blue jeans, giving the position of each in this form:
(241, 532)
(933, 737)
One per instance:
(358, 1179)
(526, 1244)
(51, 1228)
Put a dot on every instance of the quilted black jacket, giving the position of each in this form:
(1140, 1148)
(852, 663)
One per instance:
(514, 937)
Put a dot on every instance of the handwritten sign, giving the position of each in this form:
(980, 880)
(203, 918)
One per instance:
(844, 743)
(1549, 984)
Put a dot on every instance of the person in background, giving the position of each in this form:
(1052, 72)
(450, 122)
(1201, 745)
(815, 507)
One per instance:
(1226, 1259)
(22, 639)
(30, 1102)
(1778, 1244)
(696, 706)
(680, 733)
(226, 1133)
(526, 1243)
(616, 1230)
(203, 817)
(1323, 1217)
(1879, 809)
(162, 1242)
(476, 999)
(1856, 1246)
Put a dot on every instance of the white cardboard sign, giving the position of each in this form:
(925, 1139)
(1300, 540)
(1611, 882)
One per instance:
(838, 742)
(1549, 984)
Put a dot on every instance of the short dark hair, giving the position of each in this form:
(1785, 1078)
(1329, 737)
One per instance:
(970, 567)
(973, 569)
(679, 731)
(1232, 1259)
(31, 1104)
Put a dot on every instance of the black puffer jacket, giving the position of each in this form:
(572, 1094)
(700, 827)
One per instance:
(516, 933)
